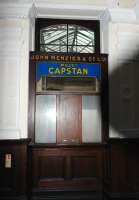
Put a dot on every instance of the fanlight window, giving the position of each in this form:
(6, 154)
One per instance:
(67, 39)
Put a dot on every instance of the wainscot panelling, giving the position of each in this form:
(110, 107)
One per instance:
(13, 169)
(121, 180)
(73, 168)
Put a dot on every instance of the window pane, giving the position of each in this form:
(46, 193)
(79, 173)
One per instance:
(45, 125)
(75, 84)
(54, 34)
(53, 48)
(91, 119)
(67, 38)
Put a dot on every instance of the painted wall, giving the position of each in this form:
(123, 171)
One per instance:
(119, 38)
(14, 39)
(123, 74)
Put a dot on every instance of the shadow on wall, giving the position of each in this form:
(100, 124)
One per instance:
(124, 99)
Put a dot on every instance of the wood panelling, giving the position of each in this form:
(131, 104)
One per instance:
(88, 166)
(67, 195)
(51, 167)
(123, 177)
(67, 167)
(7, 173)
(70, 168)
(69, 119)
(13, 181)
(70, 185)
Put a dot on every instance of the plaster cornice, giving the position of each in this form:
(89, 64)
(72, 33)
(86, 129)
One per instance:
(41, 8)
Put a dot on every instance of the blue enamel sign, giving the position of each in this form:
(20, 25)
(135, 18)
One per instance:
(61, 69)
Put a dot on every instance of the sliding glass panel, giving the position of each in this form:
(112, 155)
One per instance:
(91, 119)
(45, 125)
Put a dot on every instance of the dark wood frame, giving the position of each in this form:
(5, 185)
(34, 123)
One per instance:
(104, 94)
(93, 25)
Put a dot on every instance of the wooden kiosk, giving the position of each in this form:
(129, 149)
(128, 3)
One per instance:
(68, 123)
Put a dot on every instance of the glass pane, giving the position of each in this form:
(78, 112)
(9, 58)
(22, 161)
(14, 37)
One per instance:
(91, 119)
(54, 34)
(81, 49)
(88, 84)
(45, 125)
(80, 36)
(67, 38)
(53, 48)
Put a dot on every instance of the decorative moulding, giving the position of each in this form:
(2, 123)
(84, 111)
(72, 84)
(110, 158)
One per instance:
(68, 11)
(77, 11)
(41, 8)
(104, 18)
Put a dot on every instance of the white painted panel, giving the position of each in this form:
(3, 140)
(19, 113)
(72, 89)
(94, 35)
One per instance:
(14, 59)
(9, 89)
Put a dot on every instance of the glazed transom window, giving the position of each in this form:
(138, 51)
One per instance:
(67, 38)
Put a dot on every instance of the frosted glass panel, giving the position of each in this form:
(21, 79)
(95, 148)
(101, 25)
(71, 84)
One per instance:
(45, 126)
(91, 119)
